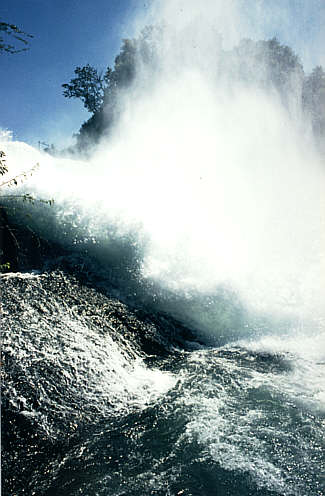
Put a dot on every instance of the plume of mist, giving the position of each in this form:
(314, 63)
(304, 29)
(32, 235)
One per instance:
(219, 179)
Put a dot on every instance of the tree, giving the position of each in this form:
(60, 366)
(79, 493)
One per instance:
(95, 89)
(15, 35)
(282, 62)
(125, 64)
(267, 63)
(10, 31)
(3, 165)
(314, 99)
(89, 86)
(314, 85)
(10, 247)
(100, 93)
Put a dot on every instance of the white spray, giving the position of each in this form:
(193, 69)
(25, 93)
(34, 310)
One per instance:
(220, 180)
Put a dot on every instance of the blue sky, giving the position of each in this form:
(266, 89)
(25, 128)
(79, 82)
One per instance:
(67, 34)
(70, 33)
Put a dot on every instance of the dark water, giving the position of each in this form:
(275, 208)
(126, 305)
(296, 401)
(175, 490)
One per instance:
(102, 399)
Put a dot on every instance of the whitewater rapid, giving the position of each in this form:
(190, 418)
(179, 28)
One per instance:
(172, 340)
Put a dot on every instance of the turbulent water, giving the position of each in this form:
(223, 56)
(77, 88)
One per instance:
(102, 399)
(172, 340)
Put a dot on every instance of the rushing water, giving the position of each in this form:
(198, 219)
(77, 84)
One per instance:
(102, 399)
(172, 341)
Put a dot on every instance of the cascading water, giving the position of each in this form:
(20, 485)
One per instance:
(204, 210)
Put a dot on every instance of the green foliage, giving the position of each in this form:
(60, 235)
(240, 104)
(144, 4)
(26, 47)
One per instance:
(12, 248)
(5, 267)
(95, 89)
(11, 244)
(15, 35)
(266, 63)
(19, 178)
(315, 82)
(125, 65)
(314, 89)
(281, 60)
(314, 99)
(28, 198)
(89, 86)
(3, 165)
(100, 93)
